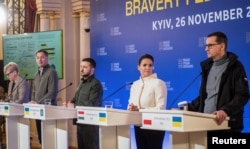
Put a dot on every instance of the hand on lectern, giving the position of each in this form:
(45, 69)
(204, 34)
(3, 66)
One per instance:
(220, 116)
(132, 107)
(32, 102)
(68, 104)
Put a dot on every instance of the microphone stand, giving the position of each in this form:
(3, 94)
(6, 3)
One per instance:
(117, 90)
(64, 87)
(187, 87)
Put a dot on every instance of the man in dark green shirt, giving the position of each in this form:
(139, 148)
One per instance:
(89, 93)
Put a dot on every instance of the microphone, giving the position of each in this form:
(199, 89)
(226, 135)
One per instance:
(130, 83)
(65, 87)
(16, 86)
(187, 87)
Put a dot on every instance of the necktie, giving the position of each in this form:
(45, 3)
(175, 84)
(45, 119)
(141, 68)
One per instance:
(13, 85)
(12, 89)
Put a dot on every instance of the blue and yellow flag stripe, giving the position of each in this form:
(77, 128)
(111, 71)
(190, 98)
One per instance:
(26, 111)
(102, 117)
(177, 121)
(6, 109)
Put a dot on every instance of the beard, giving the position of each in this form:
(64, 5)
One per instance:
(86, 75)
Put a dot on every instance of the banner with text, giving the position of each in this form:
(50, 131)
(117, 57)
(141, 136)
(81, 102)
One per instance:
(174, 32)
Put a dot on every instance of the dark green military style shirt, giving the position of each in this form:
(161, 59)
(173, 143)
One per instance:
(89, 93)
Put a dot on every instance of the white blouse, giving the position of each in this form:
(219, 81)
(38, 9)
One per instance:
(149, 93)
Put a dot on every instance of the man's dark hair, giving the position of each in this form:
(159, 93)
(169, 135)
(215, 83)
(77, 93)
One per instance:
(44, 51)
(91, 61)
(148, 56)
(220, 37)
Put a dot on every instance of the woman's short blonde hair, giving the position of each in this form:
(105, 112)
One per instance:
(10, 67)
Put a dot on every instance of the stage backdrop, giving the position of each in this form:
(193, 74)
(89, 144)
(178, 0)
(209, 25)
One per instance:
(174, 32)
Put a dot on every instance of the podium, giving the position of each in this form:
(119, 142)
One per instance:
(54, 123)
(188, 130)
(17, 128)
(114, 130)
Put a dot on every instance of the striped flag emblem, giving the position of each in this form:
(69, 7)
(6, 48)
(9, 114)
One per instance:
(26, 111)
(102, 117)
(147, 122)
(6, 109)
(177, 121)
(81, 112)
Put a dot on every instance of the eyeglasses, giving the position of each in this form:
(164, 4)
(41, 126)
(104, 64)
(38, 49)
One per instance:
(7, 74)
(209, 46)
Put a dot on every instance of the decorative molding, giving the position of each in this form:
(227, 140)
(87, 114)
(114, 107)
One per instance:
(48, 6)
(79, 6)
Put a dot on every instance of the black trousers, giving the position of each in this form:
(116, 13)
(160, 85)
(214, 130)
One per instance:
(87, 136)
(148, 139)
(38, 128)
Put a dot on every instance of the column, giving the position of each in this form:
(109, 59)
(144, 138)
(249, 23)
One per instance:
(44, 22)
(55, 22)
(48, 9)
(84, 34)
(3, 26)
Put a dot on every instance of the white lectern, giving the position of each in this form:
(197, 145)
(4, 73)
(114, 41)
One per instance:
(188, 130)
(54, 123)
(114, 124)
(17, 128)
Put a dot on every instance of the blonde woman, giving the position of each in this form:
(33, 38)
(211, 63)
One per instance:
(18, 88)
